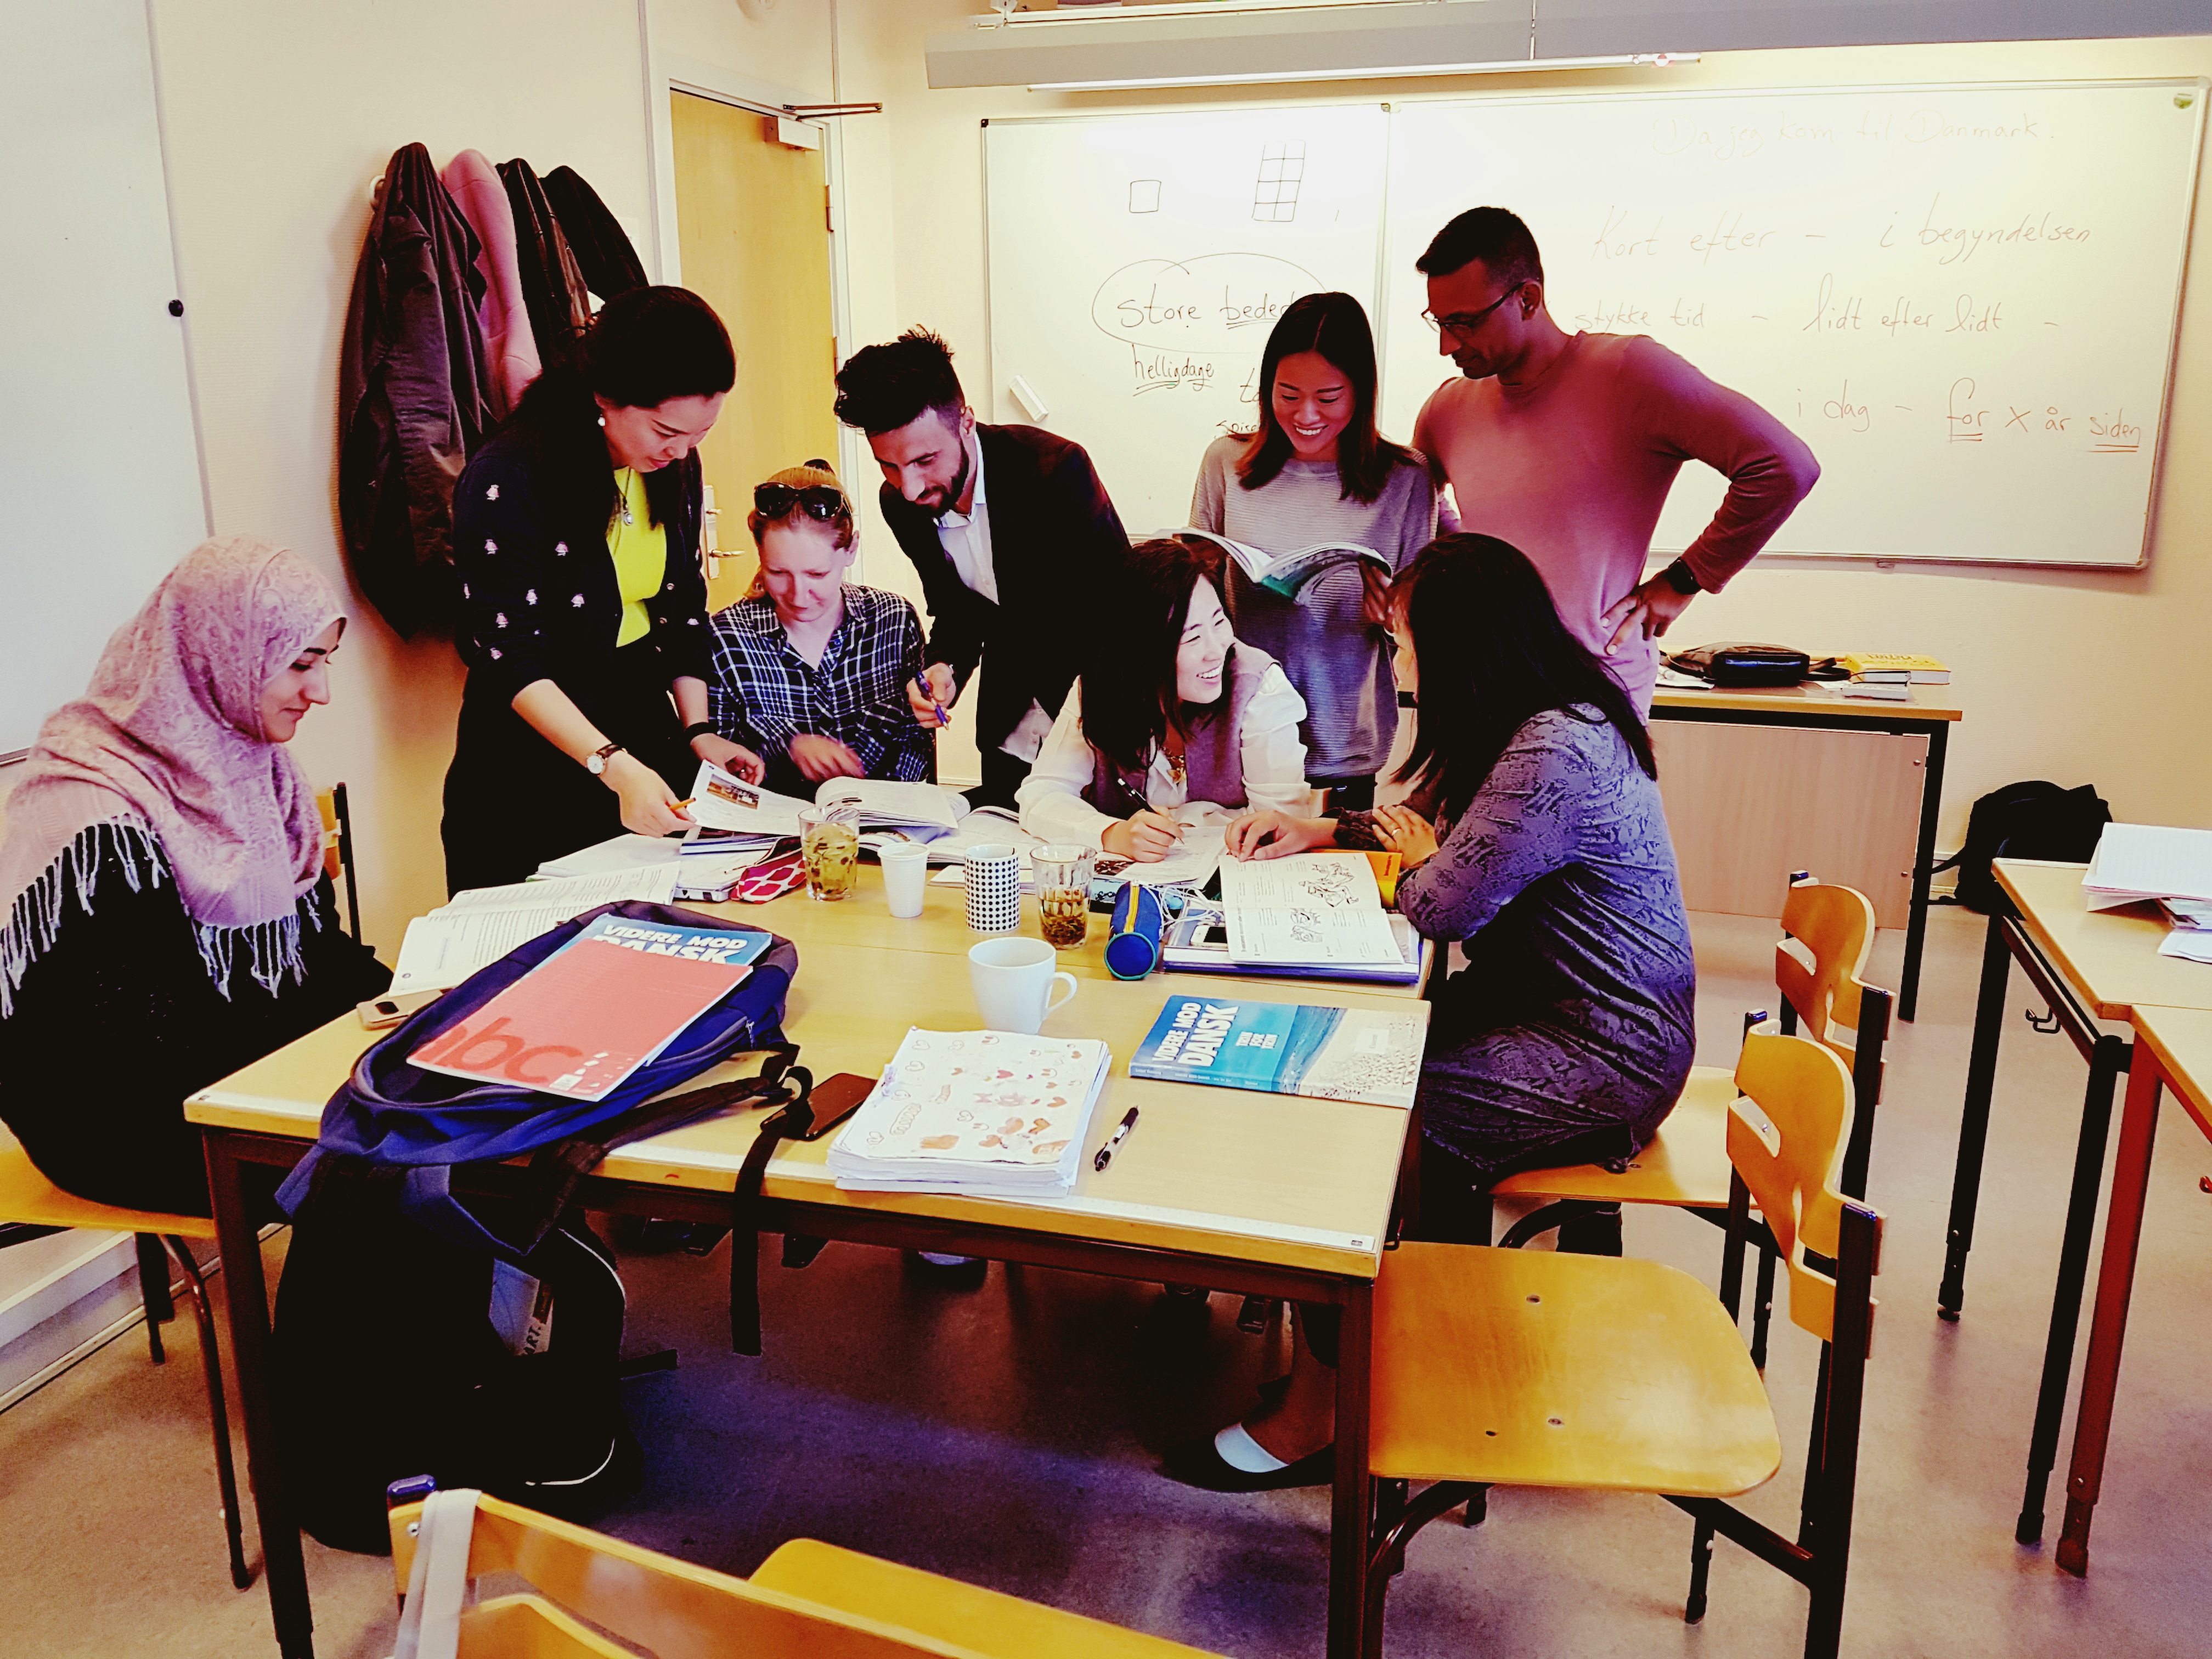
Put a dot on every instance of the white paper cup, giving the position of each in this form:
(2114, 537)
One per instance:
(1013, 980)
(906, 873)
(995, 888)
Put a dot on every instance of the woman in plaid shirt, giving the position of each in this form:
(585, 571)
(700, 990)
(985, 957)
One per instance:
(810, 672)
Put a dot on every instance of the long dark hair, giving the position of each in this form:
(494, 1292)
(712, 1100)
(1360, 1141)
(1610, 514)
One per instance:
(1492, 654)
(1129, 700)
(1335, 325)
(644, 347)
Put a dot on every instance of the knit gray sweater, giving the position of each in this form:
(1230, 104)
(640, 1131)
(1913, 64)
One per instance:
(1340, 665)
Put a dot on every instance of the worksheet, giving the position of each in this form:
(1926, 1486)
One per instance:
(1308, 909)
(476, 927)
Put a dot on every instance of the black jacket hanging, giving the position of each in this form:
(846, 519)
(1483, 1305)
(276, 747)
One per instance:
(602, 248)
(411, 394)
(553, 287)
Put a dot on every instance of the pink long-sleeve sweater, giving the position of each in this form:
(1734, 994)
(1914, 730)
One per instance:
(1573, 468)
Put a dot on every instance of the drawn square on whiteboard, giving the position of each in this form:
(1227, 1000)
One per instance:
(1144, 196)
(1282, 169)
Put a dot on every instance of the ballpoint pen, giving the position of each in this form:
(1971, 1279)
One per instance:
(1120, 1133)
(922, 685)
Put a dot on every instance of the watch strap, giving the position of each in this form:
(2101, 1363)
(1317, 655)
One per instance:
(597, 763)
(1679, 577)
(699, 729)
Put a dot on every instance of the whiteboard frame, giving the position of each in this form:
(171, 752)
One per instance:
(1380, 319)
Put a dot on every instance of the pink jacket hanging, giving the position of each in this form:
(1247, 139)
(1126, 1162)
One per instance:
(510, 350)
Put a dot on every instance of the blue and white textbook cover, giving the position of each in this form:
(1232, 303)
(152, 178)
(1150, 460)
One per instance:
(1366, 1054)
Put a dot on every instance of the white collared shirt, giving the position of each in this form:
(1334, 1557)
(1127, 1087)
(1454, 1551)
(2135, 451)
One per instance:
(966, 537)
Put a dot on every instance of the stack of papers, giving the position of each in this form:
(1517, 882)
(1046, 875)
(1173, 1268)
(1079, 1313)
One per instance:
(1312, 910)
(709, 872)
(2139, 862)
(475, 927)
(988, 1113)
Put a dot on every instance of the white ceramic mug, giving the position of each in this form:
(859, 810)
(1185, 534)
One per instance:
(1011, 979)
(906, 873)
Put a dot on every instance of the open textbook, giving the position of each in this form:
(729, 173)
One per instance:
(1309, 910)
(722, 802)
(1286, 573)
(2134, 862)
(475, 928)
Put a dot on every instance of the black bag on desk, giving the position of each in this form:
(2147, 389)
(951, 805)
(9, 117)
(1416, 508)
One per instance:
(1742, 666)
(2032, 820)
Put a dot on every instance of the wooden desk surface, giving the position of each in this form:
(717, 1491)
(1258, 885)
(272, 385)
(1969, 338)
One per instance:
(2111, 956)
(1816, 702)
(1278, 1179)
(2182, 1040)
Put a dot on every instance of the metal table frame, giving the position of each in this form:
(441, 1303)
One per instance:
(232, 1152)
(1899, 722)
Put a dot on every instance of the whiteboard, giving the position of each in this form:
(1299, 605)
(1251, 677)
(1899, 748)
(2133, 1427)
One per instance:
(1138, 263)
(1963, 298)
(98, 460)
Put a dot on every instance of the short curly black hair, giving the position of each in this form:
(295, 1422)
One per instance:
(884, 387)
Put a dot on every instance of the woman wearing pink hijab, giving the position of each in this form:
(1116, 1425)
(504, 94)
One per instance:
(164, 917)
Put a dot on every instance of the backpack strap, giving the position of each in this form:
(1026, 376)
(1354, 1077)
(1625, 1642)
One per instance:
(795, 1122)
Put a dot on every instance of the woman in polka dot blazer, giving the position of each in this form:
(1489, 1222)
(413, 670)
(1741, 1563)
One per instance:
(584, 607)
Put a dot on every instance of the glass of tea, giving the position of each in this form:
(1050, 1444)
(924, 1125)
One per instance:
(830, 847)
(1063, 893)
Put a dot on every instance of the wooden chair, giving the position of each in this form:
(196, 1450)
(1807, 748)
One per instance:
(1686, 1164)
(337, 851)
(1518, 1368)
(808, 1600)
(33, 1206)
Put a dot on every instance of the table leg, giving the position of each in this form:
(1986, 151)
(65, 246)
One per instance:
(283, 1565)
(1924, 866)
(2106, 1062)
(2108, 1324)
(1351, 1515)
(1974, 1121)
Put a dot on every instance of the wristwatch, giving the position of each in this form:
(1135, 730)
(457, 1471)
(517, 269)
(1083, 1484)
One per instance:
(596, 761)
(1678, 577)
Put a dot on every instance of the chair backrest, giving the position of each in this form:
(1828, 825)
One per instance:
(327, 803)
(1803, 1092)
(1835, 924)
(674, 1609)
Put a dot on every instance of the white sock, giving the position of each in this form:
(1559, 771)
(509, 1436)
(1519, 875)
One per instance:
(1242, 1452)
(936, 1261)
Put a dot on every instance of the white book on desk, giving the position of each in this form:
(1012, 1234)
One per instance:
(2138, 861)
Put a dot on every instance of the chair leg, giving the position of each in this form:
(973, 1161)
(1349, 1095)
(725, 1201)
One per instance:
(153, 1291)
(218, 1414)
(1389, 1509)
(1701, 1566)
(1477, 1508)
(1809, 1509)
(1595, 1232)
(1543, 1219)
(1762, 1309)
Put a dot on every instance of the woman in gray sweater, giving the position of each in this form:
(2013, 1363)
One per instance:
(1542, 846)
(1316, 470)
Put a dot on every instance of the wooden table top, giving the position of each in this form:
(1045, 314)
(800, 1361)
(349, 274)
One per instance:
(1277, 1179)
(1816, 700)
(2111, 956)
(2182, 1040)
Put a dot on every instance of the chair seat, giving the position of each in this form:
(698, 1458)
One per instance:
(981, 1620)
(27, 1196)
(529, 1627)
(1526, 1368)
(1686, 1165)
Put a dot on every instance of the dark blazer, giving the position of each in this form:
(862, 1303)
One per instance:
(539, 596)
(1055, 538)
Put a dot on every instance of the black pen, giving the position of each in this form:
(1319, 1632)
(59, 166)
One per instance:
(1121, 1133)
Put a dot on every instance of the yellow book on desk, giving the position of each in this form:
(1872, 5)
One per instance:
(1903, 665)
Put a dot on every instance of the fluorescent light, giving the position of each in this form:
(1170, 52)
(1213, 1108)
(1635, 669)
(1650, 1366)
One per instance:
(1498, 66)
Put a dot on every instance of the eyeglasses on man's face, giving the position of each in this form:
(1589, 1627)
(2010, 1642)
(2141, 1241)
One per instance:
(1464, 323)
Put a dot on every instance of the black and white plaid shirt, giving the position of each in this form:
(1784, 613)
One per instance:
(764, 694)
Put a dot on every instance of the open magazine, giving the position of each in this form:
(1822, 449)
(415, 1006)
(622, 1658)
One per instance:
(1287, 573)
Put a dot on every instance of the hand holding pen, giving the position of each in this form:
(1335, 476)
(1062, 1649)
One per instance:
(930, 693)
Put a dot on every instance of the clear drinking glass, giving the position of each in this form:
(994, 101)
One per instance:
(830, 846)
(1063, 894)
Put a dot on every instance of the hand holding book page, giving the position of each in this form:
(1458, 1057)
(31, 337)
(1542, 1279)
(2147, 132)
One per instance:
(475, 928)
(1308, 909)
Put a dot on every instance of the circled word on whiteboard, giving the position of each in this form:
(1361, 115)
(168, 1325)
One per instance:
(1215, 302)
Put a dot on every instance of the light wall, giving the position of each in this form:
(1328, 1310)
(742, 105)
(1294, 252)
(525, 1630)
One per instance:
(2080, 676)
(277, 116)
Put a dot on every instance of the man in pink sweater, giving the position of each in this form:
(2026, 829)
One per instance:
(1566, 445)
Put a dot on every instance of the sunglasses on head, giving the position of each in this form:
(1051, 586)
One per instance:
(823, 502)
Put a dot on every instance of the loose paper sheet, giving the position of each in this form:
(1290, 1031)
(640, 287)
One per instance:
(475, 929)
(1310, 908)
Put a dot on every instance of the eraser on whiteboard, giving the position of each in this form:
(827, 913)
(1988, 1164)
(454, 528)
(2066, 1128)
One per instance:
(1026, 396)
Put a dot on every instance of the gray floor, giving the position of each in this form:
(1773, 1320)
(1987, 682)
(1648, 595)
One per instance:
(1008, 1437)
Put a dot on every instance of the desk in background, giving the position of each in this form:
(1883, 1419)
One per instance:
(1760, 783)
(1275, 1195)
(2088, 967)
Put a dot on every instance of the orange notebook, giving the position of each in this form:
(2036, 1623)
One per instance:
(581, 1022)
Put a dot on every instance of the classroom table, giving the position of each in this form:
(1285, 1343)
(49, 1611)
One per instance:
(1930, 714)
(2173, 1051)
(1272, 1195)
(2089, 966)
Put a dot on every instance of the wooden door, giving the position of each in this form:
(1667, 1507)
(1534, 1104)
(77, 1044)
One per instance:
(752, 225)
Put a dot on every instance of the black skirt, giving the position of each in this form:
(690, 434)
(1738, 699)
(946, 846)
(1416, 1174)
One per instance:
(513, 800)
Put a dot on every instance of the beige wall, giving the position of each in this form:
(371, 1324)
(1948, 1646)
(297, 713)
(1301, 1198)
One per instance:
(277, 116)
(2078, 677)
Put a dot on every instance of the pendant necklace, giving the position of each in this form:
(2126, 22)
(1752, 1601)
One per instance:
(623, 479)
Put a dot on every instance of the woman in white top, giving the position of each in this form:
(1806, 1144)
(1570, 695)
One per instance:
(1172, 723)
